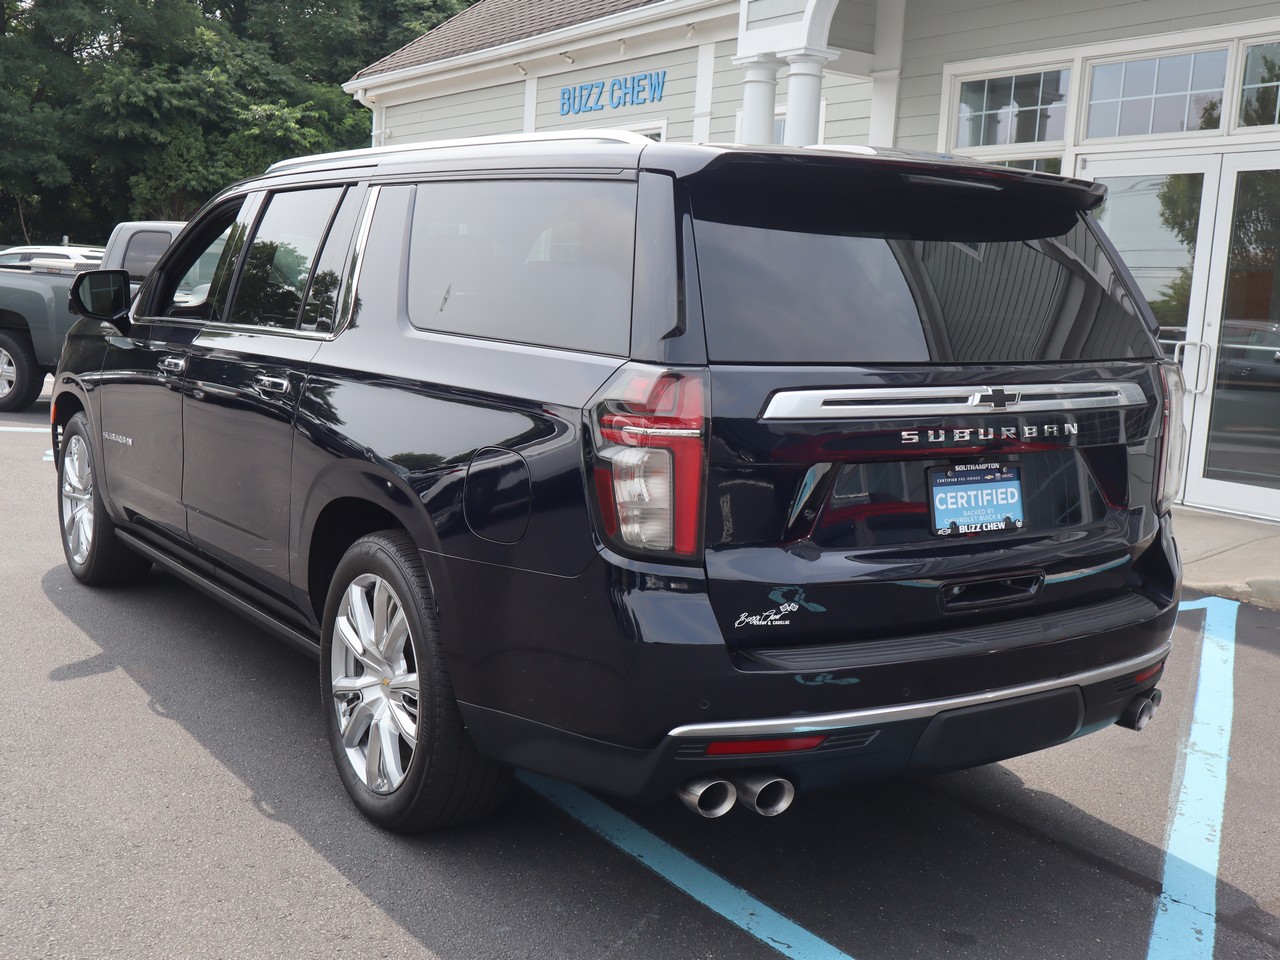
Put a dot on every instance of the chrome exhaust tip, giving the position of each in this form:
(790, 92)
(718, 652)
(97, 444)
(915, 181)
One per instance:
(708, 796)
(764, 793)
(1141, 710)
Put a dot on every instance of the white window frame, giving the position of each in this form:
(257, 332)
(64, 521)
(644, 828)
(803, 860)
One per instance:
(1244, 50)
(1079, 59)
(1232, 75)
(643, 127)
(1032, 149)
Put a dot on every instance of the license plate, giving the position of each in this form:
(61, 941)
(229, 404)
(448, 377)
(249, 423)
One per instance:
(975, 498)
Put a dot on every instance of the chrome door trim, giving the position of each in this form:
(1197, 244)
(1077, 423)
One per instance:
(883, 403)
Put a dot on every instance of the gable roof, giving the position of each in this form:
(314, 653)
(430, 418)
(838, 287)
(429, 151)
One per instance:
(492, 23)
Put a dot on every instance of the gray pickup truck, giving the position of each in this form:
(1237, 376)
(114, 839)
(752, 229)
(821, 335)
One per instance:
(34, 318)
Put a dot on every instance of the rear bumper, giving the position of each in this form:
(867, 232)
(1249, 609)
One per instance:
(861, 745)
(625, 695)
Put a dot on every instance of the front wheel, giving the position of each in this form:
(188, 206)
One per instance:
(393, 724)
(89, 542)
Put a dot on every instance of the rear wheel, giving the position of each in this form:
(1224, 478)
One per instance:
(392, 721)
(21, 377)
(89, 541)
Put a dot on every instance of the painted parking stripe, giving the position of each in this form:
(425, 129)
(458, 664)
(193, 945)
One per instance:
(686, 874)
(24, 429)
(1186, 913)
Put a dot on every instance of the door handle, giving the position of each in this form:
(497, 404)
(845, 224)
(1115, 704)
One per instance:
(1204, 356)
(173, 364)
(271, 384)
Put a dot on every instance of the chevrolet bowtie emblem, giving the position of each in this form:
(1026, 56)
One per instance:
(997, 399)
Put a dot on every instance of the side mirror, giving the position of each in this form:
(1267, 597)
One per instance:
(102, 295)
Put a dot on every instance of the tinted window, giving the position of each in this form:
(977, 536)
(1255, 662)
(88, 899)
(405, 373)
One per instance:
(278, 262)
(537, 262)
(196, 281)
(318, 313)
(935, 273)
(143, 250)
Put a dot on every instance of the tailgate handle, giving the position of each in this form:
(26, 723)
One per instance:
(973, 594)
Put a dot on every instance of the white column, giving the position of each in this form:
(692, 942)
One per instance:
(884, 108)
(886, 67)
(759, 96)
(702, 93)
(804, 93)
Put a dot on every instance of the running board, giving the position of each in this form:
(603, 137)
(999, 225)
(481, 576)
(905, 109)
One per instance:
(215, 590)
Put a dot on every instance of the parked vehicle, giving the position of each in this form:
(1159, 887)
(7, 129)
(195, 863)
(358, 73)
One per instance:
(25, 254)
(34, 318)
(655, 467)
(1250, 354)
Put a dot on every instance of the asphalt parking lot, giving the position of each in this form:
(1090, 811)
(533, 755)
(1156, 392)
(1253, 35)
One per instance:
(168, 793)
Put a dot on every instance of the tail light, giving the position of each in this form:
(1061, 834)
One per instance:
(1173, 438)
(648, 431)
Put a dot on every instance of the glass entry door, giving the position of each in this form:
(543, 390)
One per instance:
(1201, 234)
(1235, 440)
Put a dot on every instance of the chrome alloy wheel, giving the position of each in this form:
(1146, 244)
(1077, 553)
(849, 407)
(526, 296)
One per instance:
(375, 683)
(77, 498)
(8, 373)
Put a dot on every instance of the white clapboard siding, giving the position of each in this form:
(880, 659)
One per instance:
(953, 31)
(676, 105)
(772, 13)
(848, 111)
(726, 93)
(470, 113)
(854, 25)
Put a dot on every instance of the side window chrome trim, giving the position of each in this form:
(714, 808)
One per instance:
(347, 309)
(881, 403)
(249, 328)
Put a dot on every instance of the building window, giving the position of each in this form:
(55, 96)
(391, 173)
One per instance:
(1259, 105)
(1174, 94)
(1027, 108)
(1038, 164)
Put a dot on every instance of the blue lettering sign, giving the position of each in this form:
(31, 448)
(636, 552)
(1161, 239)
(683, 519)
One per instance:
(657, 81)
(632, 91)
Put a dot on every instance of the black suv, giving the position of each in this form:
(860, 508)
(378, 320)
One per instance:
(655, 467)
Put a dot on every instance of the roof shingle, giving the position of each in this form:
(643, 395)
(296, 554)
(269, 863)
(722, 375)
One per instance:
(491, 23)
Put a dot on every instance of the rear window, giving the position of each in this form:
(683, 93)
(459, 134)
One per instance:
(843, 267)
(539, 262)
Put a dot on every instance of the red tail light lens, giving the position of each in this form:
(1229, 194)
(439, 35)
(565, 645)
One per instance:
(732, 748)
(648, 426)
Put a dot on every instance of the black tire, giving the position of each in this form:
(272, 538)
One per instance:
(438, 779)
(21, 376)
(89, 541)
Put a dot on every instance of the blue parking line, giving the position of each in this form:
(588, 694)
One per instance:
(24, 429)
(1185, 920)
(1186, 914)
(686, 874)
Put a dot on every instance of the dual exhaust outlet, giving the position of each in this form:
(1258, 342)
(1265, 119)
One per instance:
(1140, 710)
(759, 792)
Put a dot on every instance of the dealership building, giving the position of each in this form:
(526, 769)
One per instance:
(1174, 104)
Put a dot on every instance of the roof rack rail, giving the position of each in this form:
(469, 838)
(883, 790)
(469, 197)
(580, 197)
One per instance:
(373, 153)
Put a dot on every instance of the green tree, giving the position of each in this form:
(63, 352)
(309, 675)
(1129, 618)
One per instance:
(118, 109)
